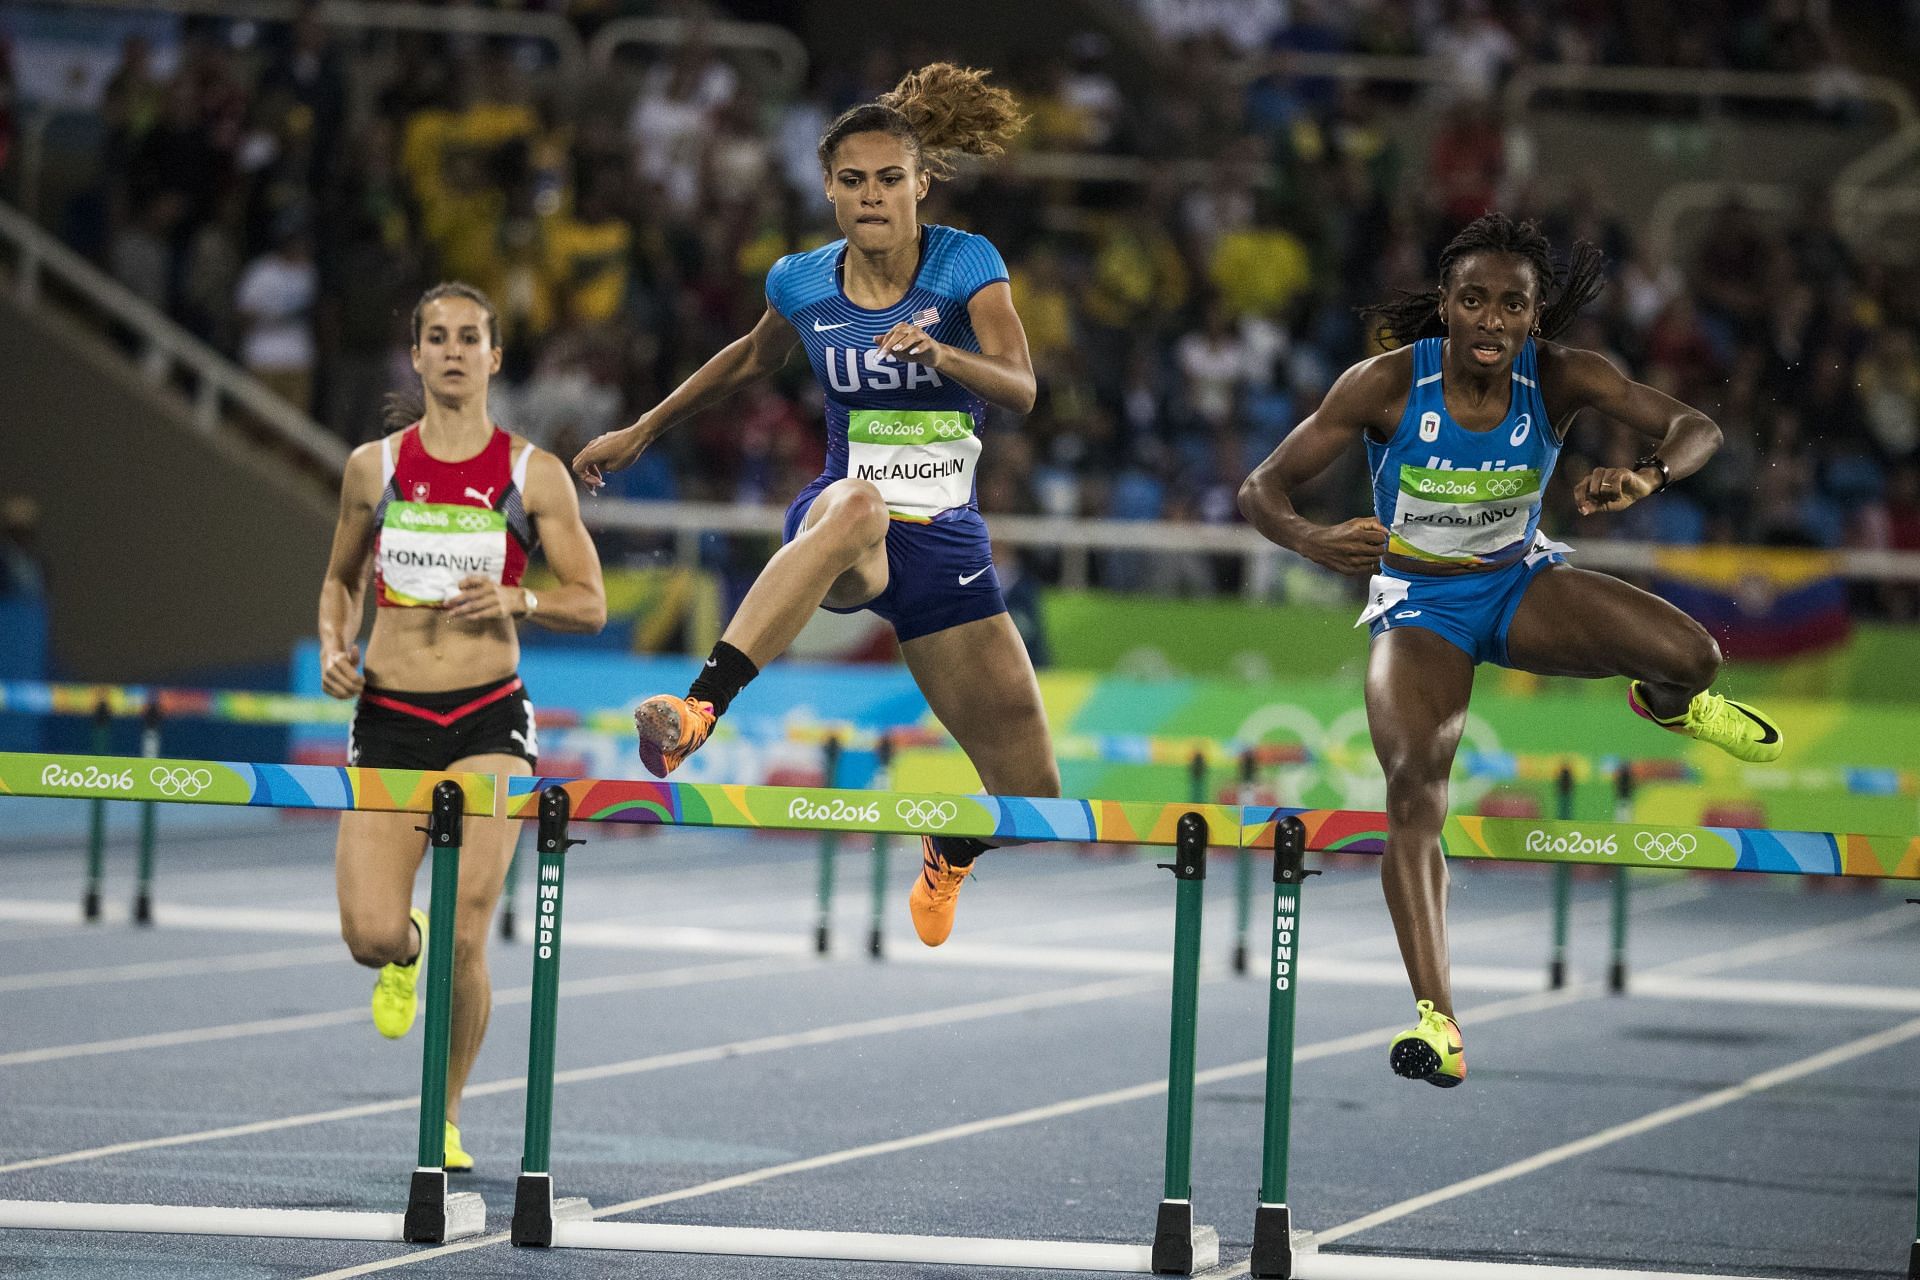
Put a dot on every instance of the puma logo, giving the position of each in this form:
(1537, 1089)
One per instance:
(485, 498)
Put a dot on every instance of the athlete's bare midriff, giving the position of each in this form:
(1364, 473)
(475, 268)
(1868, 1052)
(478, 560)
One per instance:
(424, 651)
(1428, 569)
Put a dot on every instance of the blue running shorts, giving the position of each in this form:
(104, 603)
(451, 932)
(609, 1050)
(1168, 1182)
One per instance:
(939, 574)
(1470, 610)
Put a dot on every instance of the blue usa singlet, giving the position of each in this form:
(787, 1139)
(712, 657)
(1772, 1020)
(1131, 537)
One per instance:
(1457, 497)
(912, 433)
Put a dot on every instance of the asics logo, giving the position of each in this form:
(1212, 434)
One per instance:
(926, 815)
(1673, 846)
(1407, 613)
(1504, 486)
(1520, 429)
(182, 782)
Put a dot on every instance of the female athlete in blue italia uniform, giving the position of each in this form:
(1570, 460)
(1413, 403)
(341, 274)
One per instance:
(1463, 424)
(912, 333)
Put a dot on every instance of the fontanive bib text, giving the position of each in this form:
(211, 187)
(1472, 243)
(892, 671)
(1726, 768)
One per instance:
(439, 522)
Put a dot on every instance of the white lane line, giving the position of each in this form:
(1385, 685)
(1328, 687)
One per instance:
(243, 962)
(1799, 942)
(345, 1017)
(1057, 998)
(1337, 1266)
(1747, 1088)
(1369, 1039)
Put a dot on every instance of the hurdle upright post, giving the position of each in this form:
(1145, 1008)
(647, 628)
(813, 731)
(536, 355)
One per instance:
(829, 846)
(97, 815)
(877, 922)
(1242, 869)
(149, 817)
(510, 887)
(1272, 1257)
(426, 1219)
(1622, 812)
(533, 1206)
(1174, 1235)
(1562, 884)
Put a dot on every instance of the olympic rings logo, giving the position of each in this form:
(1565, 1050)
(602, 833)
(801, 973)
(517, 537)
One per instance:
(1504, 486)
(951, 428)
(474, 522)
(181, 782)
(1674, 846)
(926, 814)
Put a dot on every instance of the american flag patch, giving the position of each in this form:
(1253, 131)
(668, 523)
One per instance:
(925, 318)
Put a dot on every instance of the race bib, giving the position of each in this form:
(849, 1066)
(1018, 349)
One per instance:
(921, 460)
(1461, 517)
(426, 548)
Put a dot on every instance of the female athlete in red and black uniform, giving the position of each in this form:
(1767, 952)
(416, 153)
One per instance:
(444, 515)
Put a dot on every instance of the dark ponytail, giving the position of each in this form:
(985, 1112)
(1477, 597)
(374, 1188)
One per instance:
(1412, 316)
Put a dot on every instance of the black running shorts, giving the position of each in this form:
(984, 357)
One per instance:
(395, 730)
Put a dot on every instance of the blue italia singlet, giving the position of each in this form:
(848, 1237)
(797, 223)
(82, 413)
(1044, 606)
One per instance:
(1457, 497)
(912, 433)
(1449, 496)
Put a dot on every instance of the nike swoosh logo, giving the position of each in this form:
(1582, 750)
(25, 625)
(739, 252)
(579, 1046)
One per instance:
(1772, 734)
(822, 328)
(966, 578)
(712, 663)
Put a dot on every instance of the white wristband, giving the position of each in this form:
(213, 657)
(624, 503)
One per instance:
(533, 602)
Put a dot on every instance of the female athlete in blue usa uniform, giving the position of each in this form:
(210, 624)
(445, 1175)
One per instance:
(1463, 424)
(911, 331)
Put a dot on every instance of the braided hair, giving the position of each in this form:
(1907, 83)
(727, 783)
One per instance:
(1412, 316)
(939, 112)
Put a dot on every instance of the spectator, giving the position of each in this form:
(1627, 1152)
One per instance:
(275, 301)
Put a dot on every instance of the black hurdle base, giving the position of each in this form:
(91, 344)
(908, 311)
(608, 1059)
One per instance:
(1913, 1262)
(1272, 1243)
(535, 1211)
(426, 1220)
(1177, 1242)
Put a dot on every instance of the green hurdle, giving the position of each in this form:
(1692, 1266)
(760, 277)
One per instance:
(510, 887)
(149, 818)
(1617, 959)
(1272, 1219)
(97, 817)
(877, 883)
(426, 1219)
(431, 1215)
(541, 1221)
(533, 1204)
(829, 847)
(1242, 870)
(1562, 885)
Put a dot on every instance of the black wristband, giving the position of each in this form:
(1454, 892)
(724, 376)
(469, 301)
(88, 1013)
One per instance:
(1659, 464)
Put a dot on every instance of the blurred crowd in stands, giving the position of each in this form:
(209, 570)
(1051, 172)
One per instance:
(286, 195)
